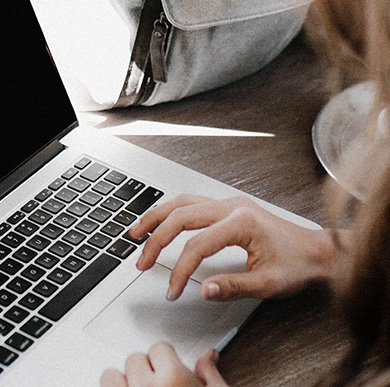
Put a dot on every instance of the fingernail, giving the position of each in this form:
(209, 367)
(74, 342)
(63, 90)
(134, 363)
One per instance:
(213, 290)
(171, 296)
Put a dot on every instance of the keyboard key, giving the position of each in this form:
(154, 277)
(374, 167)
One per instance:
(52, 231)
(16, 217)
(3, 279)
(59, 276)
(129, 190)
(30, 206)
(38, 242)
(24, 254)
(66, 195)
(115, 177)
(27, 228)
(7, 357)
(67, 298)
(19, 285)
(91, 198)
(13, 240)
(61, 249)
(112, 229)
(4, 251)
(43, 195)
(4, 227)
(10, 266)
(87, 226)
(94, 172)
(81, 164)
(74, 237)
(145, 200)
(53, 206)
(71, 172)
(65, 220)
(57, 184)
(31, 301)
(45, 288)
(112, 204)
(86, 252)
(103, 187)
(125, 218)
(40, 217)
(16, 314)
(5, 327)
(78, 209)
(36, 327)
(73, 264)
(136, 241)
(6, 297)
(79, 185)
(121, 249)
(100, 240)
(47, 261)
(33, 273)
(19, 342)
(99, 214)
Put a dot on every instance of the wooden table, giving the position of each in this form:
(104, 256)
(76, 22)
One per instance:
(286, 342)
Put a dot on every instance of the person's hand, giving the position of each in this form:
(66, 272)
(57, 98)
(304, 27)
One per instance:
(282, 256)
(162, 367)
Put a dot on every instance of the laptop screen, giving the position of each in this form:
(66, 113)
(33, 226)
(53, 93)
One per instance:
(35, 107)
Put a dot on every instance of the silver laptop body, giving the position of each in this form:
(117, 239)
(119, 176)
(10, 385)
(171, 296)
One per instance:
(72, 302)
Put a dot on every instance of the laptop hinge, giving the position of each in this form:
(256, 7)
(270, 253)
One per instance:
(29, 167)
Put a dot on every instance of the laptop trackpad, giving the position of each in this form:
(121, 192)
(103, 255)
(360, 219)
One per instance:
(141, 316)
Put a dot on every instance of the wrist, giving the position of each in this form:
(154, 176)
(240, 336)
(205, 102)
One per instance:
(323, 255)
(330, 243)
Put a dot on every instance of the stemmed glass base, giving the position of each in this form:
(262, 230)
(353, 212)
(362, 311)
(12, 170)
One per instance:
(339, 128)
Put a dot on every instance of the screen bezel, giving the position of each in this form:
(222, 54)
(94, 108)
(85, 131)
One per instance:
(27, 63)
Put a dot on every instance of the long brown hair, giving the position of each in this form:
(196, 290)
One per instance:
(354, 38)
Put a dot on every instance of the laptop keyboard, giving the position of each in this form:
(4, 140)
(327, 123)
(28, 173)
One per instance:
(60, 245)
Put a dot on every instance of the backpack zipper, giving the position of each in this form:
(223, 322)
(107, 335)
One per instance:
(156, 69)
(147, 63)
(157, 49)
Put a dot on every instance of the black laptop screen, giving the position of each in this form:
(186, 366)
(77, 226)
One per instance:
(34, 106)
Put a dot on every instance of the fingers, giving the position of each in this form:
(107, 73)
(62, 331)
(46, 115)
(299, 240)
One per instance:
(227, 222)
(191, 217)
(160, 367)
(186, 212)
(206, 370)
(159, 354)
(227, 287)
(203, 245)
(157, 215)
(138, 364)
(113, 378)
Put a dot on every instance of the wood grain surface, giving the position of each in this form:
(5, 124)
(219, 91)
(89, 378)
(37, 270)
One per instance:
(288, 342)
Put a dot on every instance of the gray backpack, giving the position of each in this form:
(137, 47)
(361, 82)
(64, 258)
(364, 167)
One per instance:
(185, 47)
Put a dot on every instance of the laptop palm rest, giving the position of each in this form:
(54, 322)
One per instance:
(140, 316)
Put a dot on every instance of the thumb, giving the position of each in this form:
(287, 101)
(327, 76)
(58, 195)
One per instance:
(226, 287)
(206, 370)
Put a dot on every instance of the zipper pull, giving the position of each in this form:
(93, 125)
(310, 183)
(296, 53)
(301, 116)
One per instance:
(157, 49)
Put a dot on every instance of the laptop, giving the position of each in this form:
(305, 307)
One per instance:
(72, 302)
